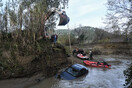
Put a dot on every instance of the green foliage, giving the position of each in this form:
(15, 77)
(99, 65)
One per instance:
(10, 65)
(64, 38)
(81, 37)
(67, 48)
(128, 75)
(6, 46)
(38, 48)
(22, 23)
(1, 52)
(85, 34)
(13, 17)
(88, 34)
(105, 40)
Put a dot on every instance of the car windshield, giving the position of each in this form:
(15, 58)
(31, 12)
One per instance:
(72, 71)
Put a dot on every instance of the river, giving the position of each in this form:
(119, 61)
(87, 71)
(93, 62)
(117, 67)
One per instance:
(96, 78)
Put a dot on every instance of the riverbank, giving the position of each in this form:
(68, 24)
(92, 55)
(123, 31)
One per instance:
(40, 57)
(48, 58)
(39, 78)
(97, 77)
(60, 60)
(122, 48)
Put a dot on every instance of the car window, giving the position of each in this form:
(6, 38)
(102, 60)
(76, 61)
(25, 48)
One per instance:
(72, 71)
(83, 71)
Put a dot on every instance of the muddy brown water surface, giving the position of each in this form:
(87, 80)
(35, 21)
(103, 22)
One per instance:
(96, 78)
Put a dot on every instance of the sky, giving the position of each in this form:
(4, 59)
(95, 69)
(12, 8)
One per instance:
(85, 13)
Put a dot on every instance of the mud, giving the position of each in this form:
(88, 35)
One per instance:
(96, 78)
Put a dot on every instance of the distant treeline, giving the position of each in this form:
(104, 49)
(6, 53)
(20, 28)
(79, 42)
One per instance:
(88, 34)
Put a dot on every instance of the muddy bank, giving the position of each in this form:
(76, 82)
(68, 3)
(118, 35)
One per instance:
(47, 59)
(21, 82)
(39, 79)
(49, 62)
(107, 48)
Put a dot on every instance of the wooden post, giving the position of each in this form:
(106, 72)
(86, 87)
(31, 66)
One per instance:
(69, 37)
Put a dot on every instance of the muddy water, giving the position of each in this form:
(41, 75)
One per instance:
(96, 78)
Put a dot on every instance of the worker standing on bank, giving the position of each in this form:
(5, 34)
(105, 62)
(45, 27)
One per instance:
(90, 55)
(55, 38)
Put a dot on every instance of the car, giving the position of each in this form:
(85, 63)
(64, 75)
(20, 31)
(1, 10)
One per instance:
(73, 72)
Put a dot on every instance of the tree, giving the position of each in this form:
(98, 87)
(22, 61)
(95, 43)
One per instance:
(25, 20)
(119, 16)
(128, 75)
(85, 34)
(29, 15)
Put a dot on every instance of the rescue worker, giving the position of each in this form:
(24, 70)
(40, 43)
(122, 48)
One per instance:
(90, 55)
(54, 38)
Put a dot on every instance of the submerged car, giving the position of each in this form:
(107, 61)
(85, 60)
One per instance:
(73, 72)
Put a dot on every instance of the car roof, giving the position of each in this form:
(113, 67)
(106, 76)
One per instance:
(78, 67)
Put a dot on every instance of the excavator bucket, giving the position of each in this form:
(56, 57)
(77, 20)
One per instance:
(64, 19)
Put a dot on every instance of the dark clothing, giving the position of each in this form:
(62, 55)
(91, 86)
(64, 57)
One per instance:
(98, 63)
(78, 52)
(84, 54)
(74, 52)
(54, 38)
(105, 63)
(91, 56)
